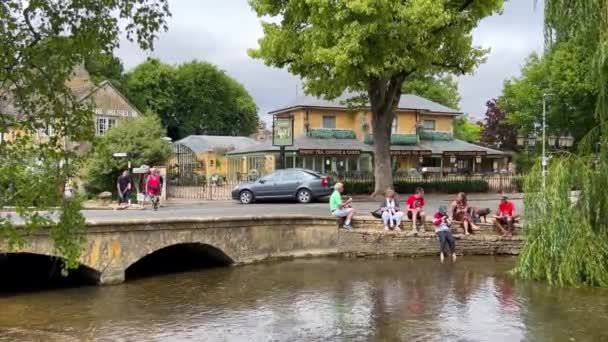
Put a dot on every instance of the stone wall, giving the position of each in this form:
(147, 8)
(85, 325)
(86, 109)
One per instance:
(376, 243)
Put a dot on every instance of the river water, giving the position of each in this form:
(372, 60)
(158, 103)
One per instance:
(316, 300)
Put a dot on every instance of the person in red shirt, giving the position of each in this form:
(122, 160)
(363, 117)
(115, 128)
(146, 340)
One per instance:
(505, 216)
(415, 209)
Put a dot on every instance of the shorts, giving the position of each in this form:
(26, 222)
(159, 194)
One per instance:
(410, 216)
(341, 212)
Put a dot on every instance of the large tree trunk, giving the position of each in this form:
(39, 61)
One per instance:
(384, 97)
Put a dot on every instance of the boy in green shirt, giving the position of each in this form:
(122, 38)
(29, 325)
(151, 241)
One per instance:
(341, 208)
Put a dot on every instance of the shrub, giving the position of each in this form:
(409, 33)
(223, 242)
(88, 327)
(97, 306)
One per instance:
(140, 138)
(407, 186)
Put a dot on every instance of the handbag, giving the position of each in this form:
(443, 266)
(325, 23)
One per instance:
(377, 213)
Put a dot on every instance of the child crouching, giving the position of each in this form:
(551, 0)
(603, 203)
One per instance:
(442, 222)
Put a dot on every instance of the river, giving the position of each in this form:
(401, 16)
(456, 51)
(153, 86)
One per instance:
(315, 300)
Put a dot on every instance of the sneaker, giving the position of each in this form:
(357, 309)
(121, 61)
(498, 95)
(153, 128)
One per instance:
(397, 229)
(385, 227)
(348, 227)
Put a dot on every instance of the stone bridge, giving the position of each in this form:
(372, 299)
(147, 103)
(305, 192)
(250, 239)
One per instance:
(111, 248)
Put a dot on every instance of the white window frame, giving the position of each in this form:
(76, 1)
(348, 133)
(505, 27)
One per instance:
(429, 129)
(108, 123)
(99, 123)
(329, 117)
(395, 126)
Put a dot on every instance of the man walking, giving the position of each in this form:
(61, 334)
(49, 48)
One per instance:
(341, 208)
(124, 187)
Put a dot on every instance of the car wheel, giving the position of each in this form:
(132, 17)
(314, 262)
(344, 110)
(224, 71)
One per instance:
(246, 197)
(304, 196)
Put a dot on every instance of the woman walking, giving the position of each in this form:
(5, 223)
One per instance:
(153, 187)
(460, 212)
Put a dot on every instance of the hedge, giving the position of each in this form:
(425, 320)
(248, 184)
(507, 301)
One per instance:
(356, 187)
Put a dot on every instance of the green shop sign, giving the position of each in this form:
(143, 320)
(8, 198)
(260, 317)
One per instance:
(282, 132)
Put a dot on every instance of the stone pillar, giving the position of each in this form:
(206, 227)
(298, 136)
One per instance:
(112, 277)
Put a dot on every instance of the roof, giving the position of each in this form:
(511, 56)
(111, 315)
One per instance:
(204, 143)
(307, 143)
(407, 102)
(79, 84)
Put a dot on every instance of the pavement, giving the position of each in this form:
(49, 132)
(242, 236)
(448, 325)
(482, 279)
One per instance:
(363, 204)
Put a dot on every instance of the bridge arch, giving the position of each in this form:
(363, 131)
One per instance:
(23, 271)
(177, 257)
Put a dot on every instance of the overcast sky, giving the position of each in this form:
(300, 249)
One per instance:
(220, 32)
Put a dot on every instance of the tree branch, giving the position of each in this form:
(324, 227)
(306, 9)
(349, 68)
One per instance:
(445, 65)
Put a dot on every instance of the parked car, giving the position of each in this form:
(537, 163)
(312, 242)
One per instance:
(302, 185)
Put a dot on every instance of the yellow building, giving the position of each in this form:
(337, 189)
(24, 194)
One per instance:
(204, 156)
(331, 137)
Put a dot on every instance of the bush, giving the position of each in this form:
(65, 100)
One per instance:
(450, 186)
(140, 138)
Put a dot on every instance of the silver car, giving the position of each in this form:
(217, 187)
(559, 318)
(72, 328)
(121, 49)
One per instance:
(299, 184)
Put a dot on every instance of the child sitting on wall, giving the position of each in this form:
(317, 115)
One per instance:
(442, 222)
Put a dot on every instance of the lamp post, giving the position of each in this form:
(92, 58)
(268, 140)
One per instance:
(544, 158)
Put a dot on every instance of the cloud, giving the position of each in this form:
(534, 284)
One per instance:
(221, 32)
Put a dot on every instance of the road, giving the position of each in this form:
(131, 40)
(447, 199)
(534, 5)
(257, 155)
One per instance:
(232, 209)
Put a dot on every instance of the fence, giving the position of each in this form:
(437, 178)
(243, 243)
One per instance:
(222, 190)
(448, 184)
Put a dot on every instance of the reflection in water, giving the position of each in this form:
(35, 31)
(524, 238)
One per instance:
(316, 300)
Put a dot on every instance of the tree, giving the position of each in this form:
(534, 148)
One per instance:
(106, 67)
(566, 241)
(193, 98)
(465, 130)
(141, 138)
(151, 87)
(442, 89)
(40, 44)
(211, 102)
(496, 129)
(370, 47)
(564, 73)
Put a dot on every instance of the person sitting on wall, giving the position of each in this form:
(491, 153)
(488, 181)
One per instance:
(390, 211)
(460, 212)
(340, 208)
(506, 216)
(415, 209)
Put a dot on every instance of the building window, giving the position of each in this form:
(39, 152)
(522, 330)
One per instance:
(395, 128)
(1, 137)
(428, 125)
(329, 122)
(103, 125)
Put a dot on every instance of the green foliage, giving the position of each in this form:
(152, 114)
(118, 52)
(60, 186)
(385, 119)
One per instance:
(408, 186)
(40, 44)
(370, 46)
(465, 130)
(193, 98)
(106, 67)
(323, 133)
(566, 73)
(436, 136)
(566, 244)
(404, 139)
(442, 89)
(140, 138)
